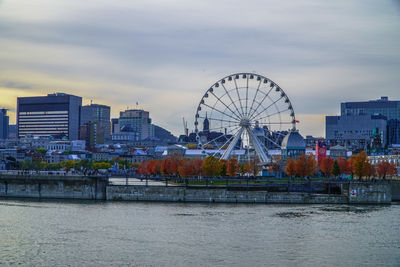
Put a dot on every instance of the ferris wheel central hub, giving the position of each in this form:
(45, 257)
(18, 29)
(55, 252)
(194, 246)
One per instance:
(245, 122)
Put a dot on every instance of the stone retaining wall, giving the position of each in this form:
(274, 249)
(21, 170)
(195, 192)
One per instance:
(53, 187)
(182, 194)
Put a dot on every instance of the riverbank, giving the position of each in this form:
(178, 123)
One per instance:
(100, 188)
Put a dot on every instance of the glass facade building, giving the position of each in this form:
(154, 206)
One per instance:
(136, 120)
(56, 115)
(100, 114)
(384, 106)
(4, 123)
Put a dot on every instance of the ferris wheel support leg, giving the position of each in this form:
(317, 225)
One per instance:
(228, 151)
(257, 146)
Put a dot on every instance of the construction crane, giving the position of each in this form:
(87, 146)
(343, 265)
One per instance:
(185, 128)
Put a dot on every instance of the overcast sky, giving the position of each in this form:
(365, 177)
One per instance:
(165, 54)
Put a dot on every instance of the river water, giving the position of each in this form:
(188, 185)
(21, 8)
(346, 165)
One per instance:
(60, 233)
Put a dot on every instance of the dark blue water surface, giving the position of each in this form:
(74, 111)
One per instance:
(59, 233)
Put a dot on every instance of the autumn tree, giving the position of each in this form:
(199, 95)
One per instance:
(336, 168)
(305, 165)
(385, 168)
(291, 167)
(197, 163)
(68, 165)
(326, 166)
(185, 169)
(170, 164)
(360, 164)
(274, 167)
(223, 167)
(243, 168)
(153, 167)
(254, 166)
(344, 165)
(212, 166)
(143, 167)
(371, 170)
(232, 167)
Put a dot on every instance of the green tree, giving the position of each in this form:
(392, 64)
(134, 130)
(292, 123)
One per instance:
(84, 164)
(27, 165)
(101, 165)
(43, 165)
(41, 150)
(54, 166)
(68, 165)
(336, 168)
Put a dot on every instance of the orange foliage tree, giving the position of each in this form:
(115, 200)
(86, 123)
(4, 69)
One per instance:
(305, 165)
(232, 167)
(143, 167)
(186, 168)
(153, 167)
(360, 165)
(326, 166)
(274, 167)
(197, 166)
(253, 166)
(212, 166)
(385, 168)
(371, 170)
(170, 164)
(291, 167)
(344, 165)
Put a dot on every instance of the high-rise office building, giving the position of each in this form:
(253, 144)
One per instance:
(92, 133)
(358, 121)
(4, 122)
(99, 113)
(388, 108)
(136, 119)
(55, 115)
(115, 125)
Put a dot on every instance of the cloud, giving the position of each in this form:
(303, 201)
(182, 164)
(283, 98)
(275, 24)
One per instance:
(165, 54)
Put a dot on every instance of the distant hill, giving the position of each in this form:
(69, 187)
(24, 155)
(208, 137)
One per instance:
(164, 135)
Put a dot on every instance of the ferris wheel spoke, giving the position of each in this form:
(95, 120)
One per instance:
(270, 115)
(259, 103)
(247, 92)
(232, 145)
(237, 115)
(272, 141)
(214, 119)
(222, 136)
(223, 113)
(254, 98)
(273, 103)
(279, 133)
(222, 128)
(230, 97)
(240, 100)
(266, 123)
(229, 140)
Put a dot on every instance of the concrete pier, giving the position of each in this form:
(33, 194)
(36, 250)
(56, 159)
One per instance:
(53, 187)
(356, 193)
(98, 188)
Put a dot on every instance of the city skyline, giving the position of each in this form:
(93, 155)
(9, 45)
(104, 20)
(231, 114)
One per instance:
(165, 55)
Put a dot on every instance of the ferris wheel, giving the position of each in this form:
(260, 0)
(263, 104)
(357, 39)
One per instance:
(243, 114)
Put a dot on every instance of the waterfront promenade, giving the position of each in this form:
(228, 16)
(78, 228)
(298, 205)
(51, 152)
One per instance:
(194, 190)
